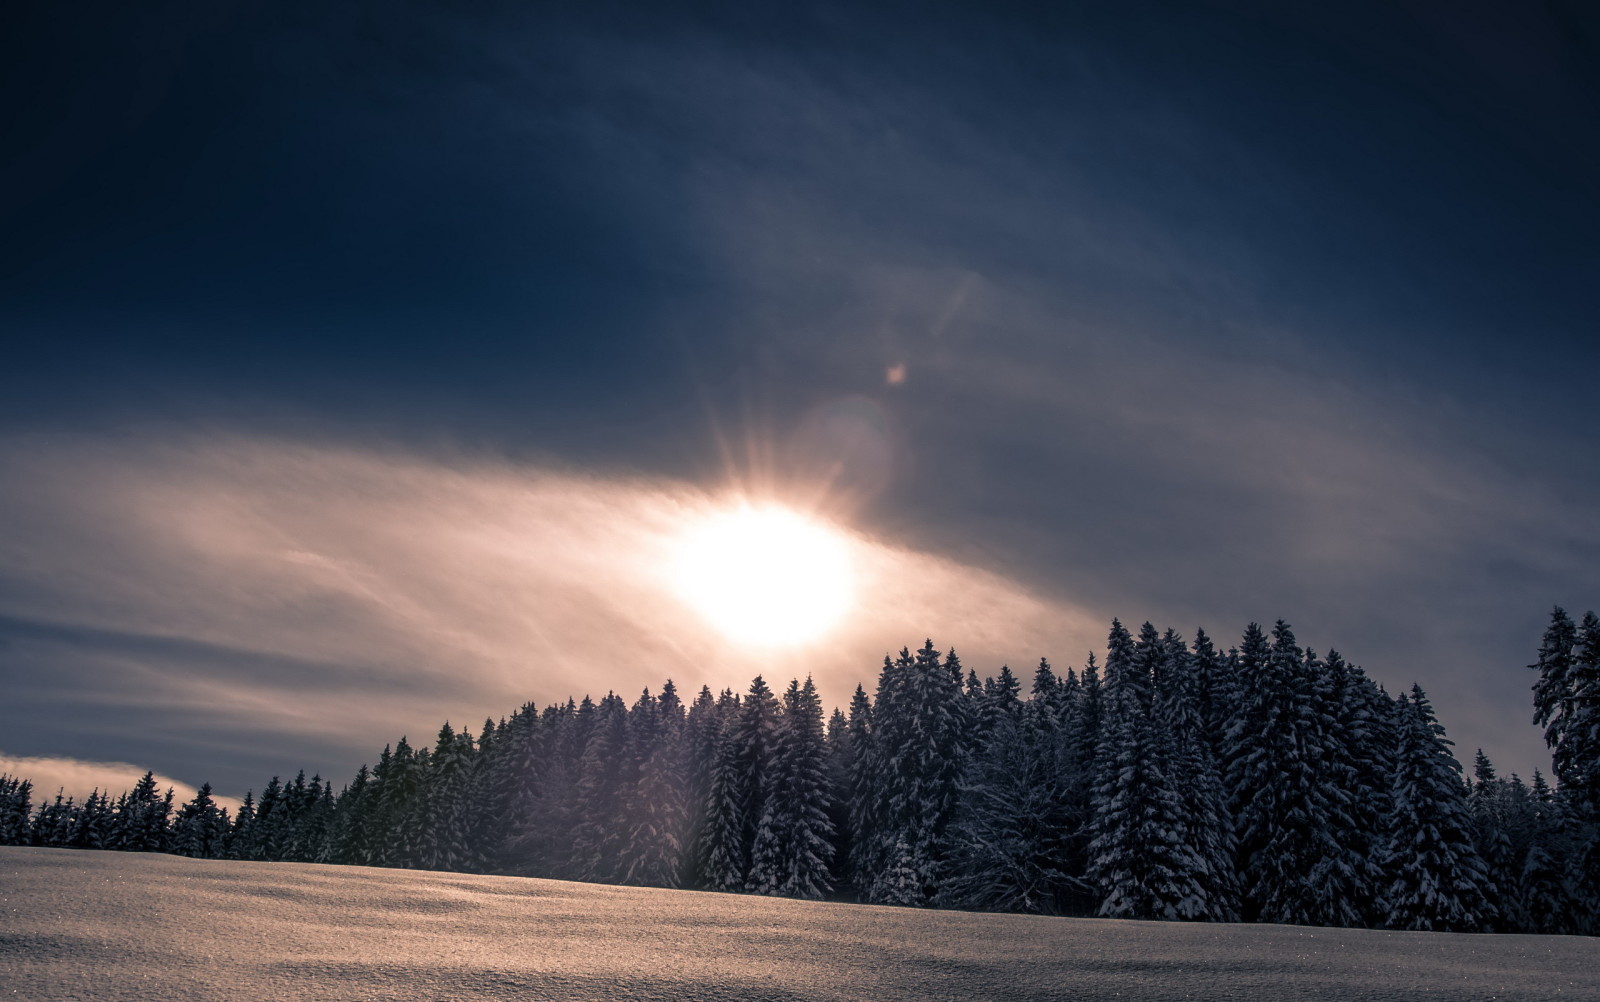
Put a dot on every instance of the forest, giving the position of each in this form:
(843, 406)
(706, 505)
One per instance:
(1170, 780)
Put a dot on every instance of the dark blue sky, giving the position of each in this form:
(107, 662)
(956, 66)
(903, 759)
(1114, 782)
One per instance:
(1209, 312)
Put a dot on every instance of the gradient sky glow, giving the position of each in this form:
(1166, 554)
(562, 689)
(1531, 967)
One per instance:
(362, 366)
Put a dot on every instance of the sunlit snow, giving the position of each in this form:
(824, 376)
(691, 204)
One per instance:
(126, 926)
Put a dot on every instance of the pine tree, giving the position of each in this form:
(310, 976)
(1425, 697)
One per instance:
(656, 809)
(1285, 777)
(1182, 711)
(917, 752)
(241, 836)
(140, 824)
(723, 862)
(602, 779)
(1438, 880)
(865, 822)
(438, 825)
(200, 827)
(793, 846)
(1008, 843)
(16, 807)
(1139, 856)
(52, 826)
(350, 833)
(91, 823)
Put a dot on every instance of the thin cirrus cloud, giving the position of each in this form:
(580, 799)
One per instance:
(249, 604)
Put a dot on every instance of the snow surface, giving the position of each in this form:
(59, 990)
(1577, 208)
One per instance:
(105, 925)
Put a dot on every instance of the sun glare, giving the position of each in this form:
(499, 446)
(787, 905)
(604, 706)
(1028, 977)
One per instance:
(765, 575)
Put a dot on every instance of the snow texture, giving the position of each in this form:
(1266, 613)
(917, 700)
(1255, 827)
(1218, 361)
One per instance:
(132, 926)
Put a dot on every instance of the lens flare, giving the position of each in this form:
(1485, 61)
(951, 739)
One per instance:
(765, 576)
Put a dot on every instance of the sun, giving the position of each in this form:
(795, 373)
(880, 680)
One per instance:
(765, 576)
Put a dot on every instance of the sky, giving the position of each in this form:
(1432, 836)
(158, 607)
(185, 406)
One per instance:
(364, 364)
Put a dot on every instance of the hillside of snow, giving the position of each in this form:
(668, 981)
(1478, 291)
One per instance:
(125, 926)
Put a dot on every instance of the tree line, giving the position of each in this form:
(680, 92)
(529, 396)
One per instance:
(1173, 781)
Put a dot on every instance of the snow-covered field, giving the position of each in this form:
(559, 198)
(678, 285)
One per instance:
(102, 925)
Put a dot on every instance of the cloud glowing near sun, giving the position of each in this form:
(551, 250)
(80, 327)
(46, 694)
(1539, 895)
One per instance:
(765, 575)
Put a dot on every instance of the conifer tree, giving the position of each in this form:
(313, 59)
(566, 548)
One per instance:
(91, 823)
(793, 847)
(1139, 856)
(602, 779)
(918, 750)
(1438, 880)
(241, 836)
(1182, 711)
(723, 862)
(657, 810)
(200, 828)
(349, 833)
(52, 826)
(865, 821)
(1009, 841)
(140, 824)
(1288, 813)
(16, 807)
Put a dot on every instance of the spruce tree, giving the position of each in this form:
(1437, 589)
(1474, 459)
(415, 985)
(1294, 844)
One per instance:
(603, 777)
(723, 862)
(918, 750)
(200, 827)
(793, 847)
(1009, 841)
(16, 807)
(1139, 856)
(91, 824)
(1438, 880)
(657, 809)
(1286, 780)
(1182, 711)
(52, 826)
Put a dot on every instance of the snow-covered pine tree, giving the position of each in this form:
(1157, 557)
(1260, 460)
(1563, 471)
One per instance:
(603, 777)
(1283, 770)
(348, 831)
(91, 823)
(657, 810)
(241, 835)
(1492, 809)
(793, 848)
(865, 816)
(52, 825)
(1000, 698)
(702, 730)
(436, 829)
(1549, 898)
(1438, 880)
(1139, 856)
(919, 747)
(1553, 691)
(1362, 763)
(1008, 844)
(16, 808)
(141, 818)
(199, 828)
(1566, 702)
(540, 837)
(1182, 709)
(723, 863)
(398, 778)
(514, 777)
